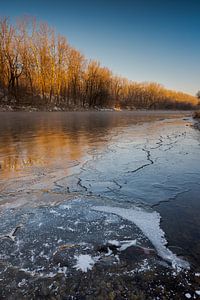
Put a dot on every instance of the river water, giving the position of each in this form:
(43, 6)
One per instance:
(117, 192)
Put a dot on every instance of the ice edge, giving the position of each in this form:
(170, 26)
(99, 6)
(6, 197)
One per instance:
(149, 224)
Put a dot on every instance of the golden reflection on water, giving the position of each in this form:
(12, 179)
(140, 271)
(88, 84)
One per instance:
(53, 140)
(42, 150)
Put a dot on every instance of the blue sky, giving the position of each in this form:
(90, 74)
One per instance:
(143, 40)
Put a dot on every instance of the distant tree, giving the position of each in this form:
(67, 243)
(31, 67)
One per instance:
(198, 94)
(39, 66)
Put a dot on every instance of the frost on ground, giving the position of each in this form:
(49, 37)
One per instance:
(144, 266)
(149, 223)
(85, 262)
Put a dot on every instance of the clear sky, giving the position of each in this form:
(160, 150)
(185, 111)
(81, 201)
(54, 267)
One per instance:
(143, 40)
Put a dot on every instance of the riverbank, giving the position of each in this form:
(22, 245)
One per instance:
(14, 108)
(10, 108)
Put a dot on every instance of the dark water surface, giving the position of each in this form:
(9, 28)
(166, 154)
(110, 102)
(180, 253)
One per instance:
(71, 184)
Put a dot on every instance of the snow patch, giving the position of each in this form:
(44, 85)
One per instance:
(149, 223)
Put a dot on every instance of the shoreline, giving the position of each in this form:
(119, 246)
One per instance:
(9, 108)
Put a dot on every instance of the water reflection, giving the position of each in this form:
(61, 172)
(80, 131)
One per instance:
(56, 139)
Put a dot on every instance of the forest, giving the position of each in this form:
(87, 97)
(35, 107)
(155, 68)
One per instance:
(39, 68)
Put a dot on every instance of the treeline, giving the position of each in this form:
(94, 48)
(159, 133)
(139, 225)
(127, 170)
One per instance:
(40, 68)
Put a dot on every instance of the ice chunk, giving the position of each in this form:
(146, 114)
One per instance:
(127, 244)
(197, 292)
(149, 224)
(122, 245)
(114, 242)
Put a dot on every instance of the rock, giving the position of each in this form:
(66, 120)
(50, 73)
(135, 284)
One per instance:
(102, 249)
(108, 248)
(61, 258)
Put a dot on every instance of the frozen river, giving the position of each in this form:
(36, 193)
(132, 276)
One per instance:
(99, 196)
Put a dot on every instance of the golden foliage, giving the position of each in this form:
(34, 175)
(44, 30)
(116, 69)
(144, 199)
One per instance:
(38, 67)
